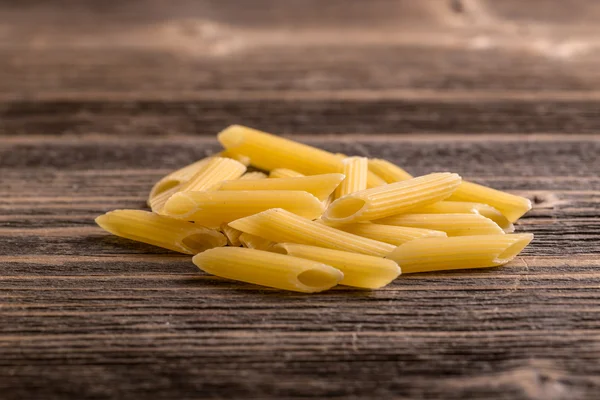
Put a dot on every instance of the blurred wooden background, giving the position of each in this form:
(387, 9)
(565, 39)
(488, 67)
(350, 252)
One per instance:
(99, 99)
(300, 66)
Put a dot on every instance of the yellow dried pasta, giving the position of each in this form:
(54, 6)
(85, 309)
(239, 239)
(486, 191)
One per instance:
(212, 209)
(157, 230)
(452, 224)
(356, 171)
(359, 270)
(464, 207)
(391, 199)
(389, 172)
(284, 173)
(268, 269)
(460, 252)
(213, 172)
(511, 206)
(395, 235)
(280, 225)
(321, 186)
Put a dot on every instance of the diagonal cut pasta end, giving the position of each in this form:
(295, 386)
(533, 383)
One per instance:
(203, 240)
(345, 208)
(519, 242)
(180, 206)
(318, 279)
(161, 187)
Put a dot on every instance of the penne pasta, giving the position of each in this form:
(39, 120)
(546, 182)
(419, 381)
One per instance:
(280, 225)
(147, 227)
(435, 254)
(268, 269)
(355, 169)
(391, 199)
(395, 235)
(511, 206)
(373, 180)
(212, 209)
(253, 175)
(389, 172)
(464, 207)
(176, 178)
(255, 242)
(359, 270)
(234, 156)
(232, 235)
(452, 224)
(320, 186)
(284, 173)
(269, 152)
(213, 172)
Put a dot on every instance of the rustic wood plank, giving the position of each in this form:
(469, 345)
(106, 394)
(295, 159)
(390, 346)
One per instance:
(298, 116)
(87, 315)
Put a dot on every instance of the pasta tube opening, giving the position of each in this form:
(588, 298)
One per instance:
(359, 270)
(163, 186)
(268, 269)
(157, 230)
(512, 250)
(345, 208)
(391, 199)
(199, 242)
(317, 278)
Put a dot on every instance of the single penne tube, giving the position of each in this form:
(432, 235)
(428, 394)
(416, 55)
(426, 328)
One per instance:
(452, 224)
(321, 186)
(213, 172)
(391, 199)
(232, 235)
(143, 226)
(359, 270)
(395, 235)
(511, 206)
(284, 173)
(269, 152)
(212, 209)
(255, 242)
(176, 178)
(464, 207)
(280, 226)
(356, 170)
(389, 172)
(435, 254)
(253, 175)
(268, 269)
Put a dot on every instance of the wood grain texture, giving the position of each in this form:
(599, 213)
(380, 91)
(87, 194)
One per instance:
(94, 94)
(362, 67)
(87, 315)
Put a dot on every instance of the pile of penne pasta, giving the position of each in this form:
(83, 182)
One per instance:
(318, 219)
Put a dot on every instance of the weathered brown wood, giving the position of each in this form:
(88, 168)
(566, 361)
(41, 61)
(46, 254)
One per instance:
(100, 99)
(287, 115)
(87, 315)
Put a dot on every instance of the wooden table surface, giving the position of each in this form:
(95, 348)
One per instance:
(100, 99)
